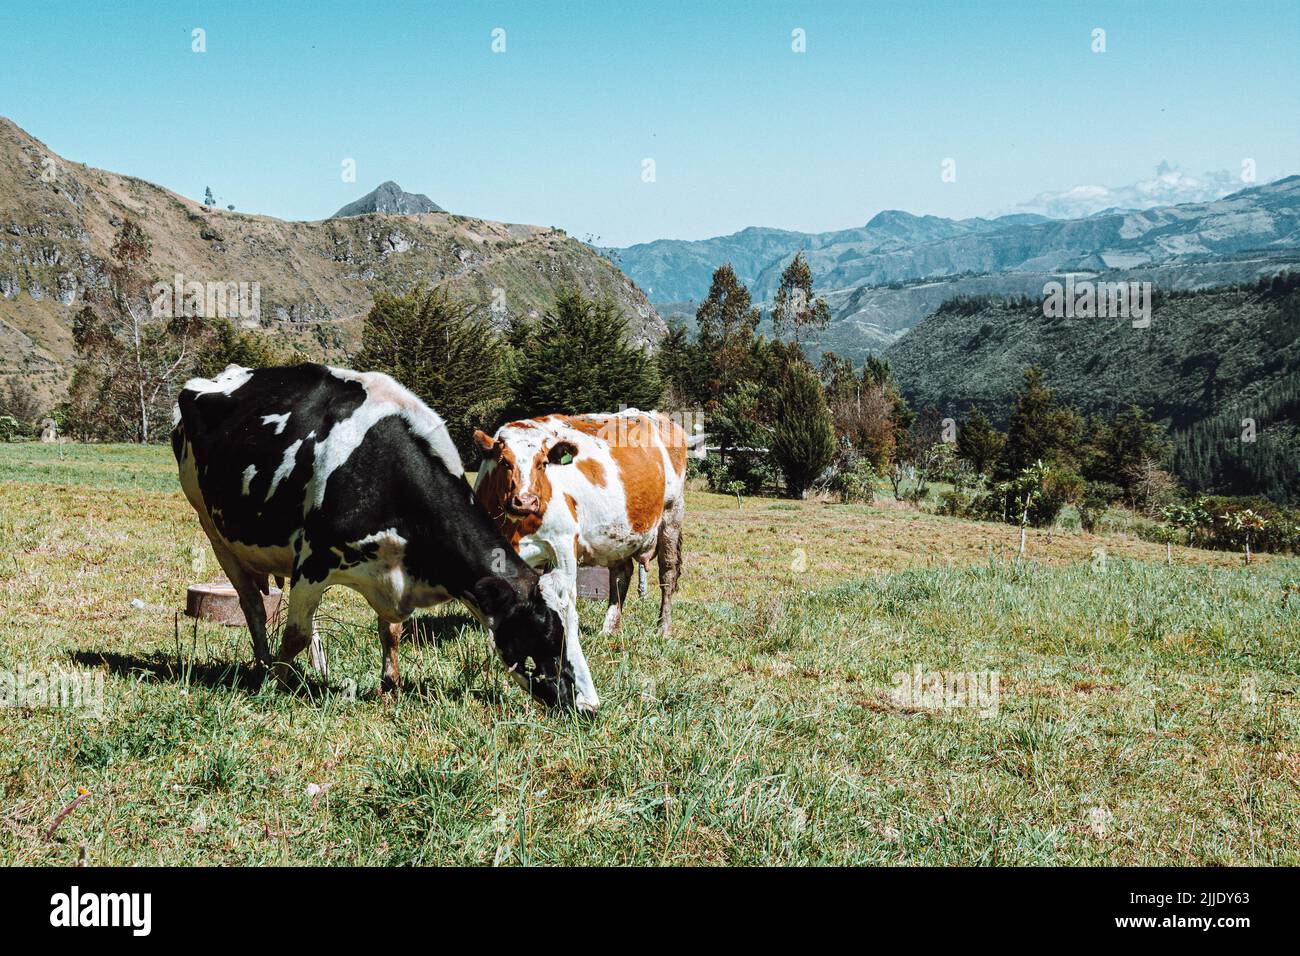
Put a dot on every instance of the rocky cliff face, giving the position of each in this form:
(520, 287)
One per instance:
(58, 220)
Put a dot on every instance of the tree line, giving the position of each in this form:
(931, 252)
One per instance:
(777, 424)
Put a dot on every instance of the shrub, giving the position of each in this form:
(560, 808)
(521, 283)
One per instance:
(952, 504)
(1236, 520)
(855, 481)
(737, 422)
(11, 429)
(1059, 488)
(1096, 498)
(753, 472)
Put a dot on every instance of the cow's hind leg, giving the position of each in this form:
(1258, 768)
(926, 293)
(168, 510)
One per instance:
(389, 635)
(620, 576)
(669, 553)
(316, 654)
(250, 588)
(299, 625)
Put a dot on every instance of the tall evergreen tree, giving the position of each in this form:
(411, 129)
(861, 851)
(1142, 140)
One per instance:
(1118, 448)
(726, 321)
(978, 442)
(838, 380)
(1040, 429)
(577, 359)
(804, 436)
(876, 371)
(684, 366)
(442, 352)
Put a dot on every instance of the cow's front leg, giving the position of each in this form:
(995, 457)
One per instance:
(299, 625)
(565, 579)
(389, 635)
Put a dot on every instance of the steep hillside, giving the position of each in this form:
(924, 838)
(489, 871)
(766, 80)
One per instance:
(58, 220)
(869, 318)
(1210, 358)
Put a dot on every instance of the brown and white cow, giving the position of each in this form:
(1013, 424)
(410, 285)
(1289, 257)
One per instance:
(602, 490)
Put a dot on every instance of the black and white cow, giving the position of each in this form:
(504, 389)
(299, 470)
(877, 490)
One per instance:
(326, 476)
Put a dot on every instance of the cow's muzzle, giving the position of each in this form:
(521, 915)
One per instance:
(523, 506)
(559, 691)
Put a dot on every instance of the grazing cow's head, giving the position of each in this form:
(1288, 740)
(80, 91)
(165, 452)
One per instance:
(529, 635)
(515, 487)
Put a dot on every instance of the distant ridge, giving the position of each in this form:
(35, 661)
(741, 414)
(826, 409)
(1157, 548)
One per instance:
(391, 200)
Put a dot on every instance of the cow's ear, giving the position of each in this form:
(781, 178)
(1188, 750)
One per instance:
(562, 453)
(488, 446)
(494, 597)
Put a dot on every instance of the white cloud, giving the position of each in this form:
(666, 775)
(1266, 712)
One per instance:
(1169, 186)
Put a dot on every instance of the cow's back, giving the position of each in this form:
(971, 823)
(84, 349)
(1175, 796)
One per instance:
(648, 451)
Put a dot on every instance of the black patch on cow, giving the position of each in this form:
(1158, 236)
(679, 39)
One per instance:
(228, 435)
(391, 480)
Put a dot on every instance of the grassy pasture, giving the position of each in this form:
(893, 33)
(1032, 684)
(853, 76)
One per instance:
(1147, 714)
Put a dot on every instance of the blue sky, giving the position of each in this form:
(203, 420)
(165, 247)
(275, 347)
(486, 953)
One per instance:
(743, 130)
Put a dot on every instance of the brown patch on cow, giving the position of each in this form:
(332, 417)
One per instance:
(593, 469)
(642, 471)
(596, 425)
(638, 457)
(573, 505)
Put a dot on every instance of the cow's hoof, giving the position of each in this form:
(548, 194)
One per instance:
(285, 677)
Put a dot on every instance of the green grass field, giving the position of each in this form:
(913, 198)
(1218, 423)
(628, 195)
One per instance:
(1147, 714)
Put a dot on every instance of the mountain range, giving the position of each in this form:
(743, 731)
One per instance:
(882, 278)
(58, 221)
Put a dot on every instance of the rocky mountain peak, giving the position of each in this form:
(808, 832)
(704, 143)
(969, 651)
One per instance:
(391, 200)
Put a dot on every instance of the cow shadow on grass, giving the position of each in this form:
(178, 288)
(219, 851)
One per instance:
(425, 630)
(478, 681)
(435, 630)
(216, 675)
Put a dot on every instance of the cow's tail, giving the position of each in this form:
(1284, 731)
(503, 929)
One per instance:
(678, 545)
